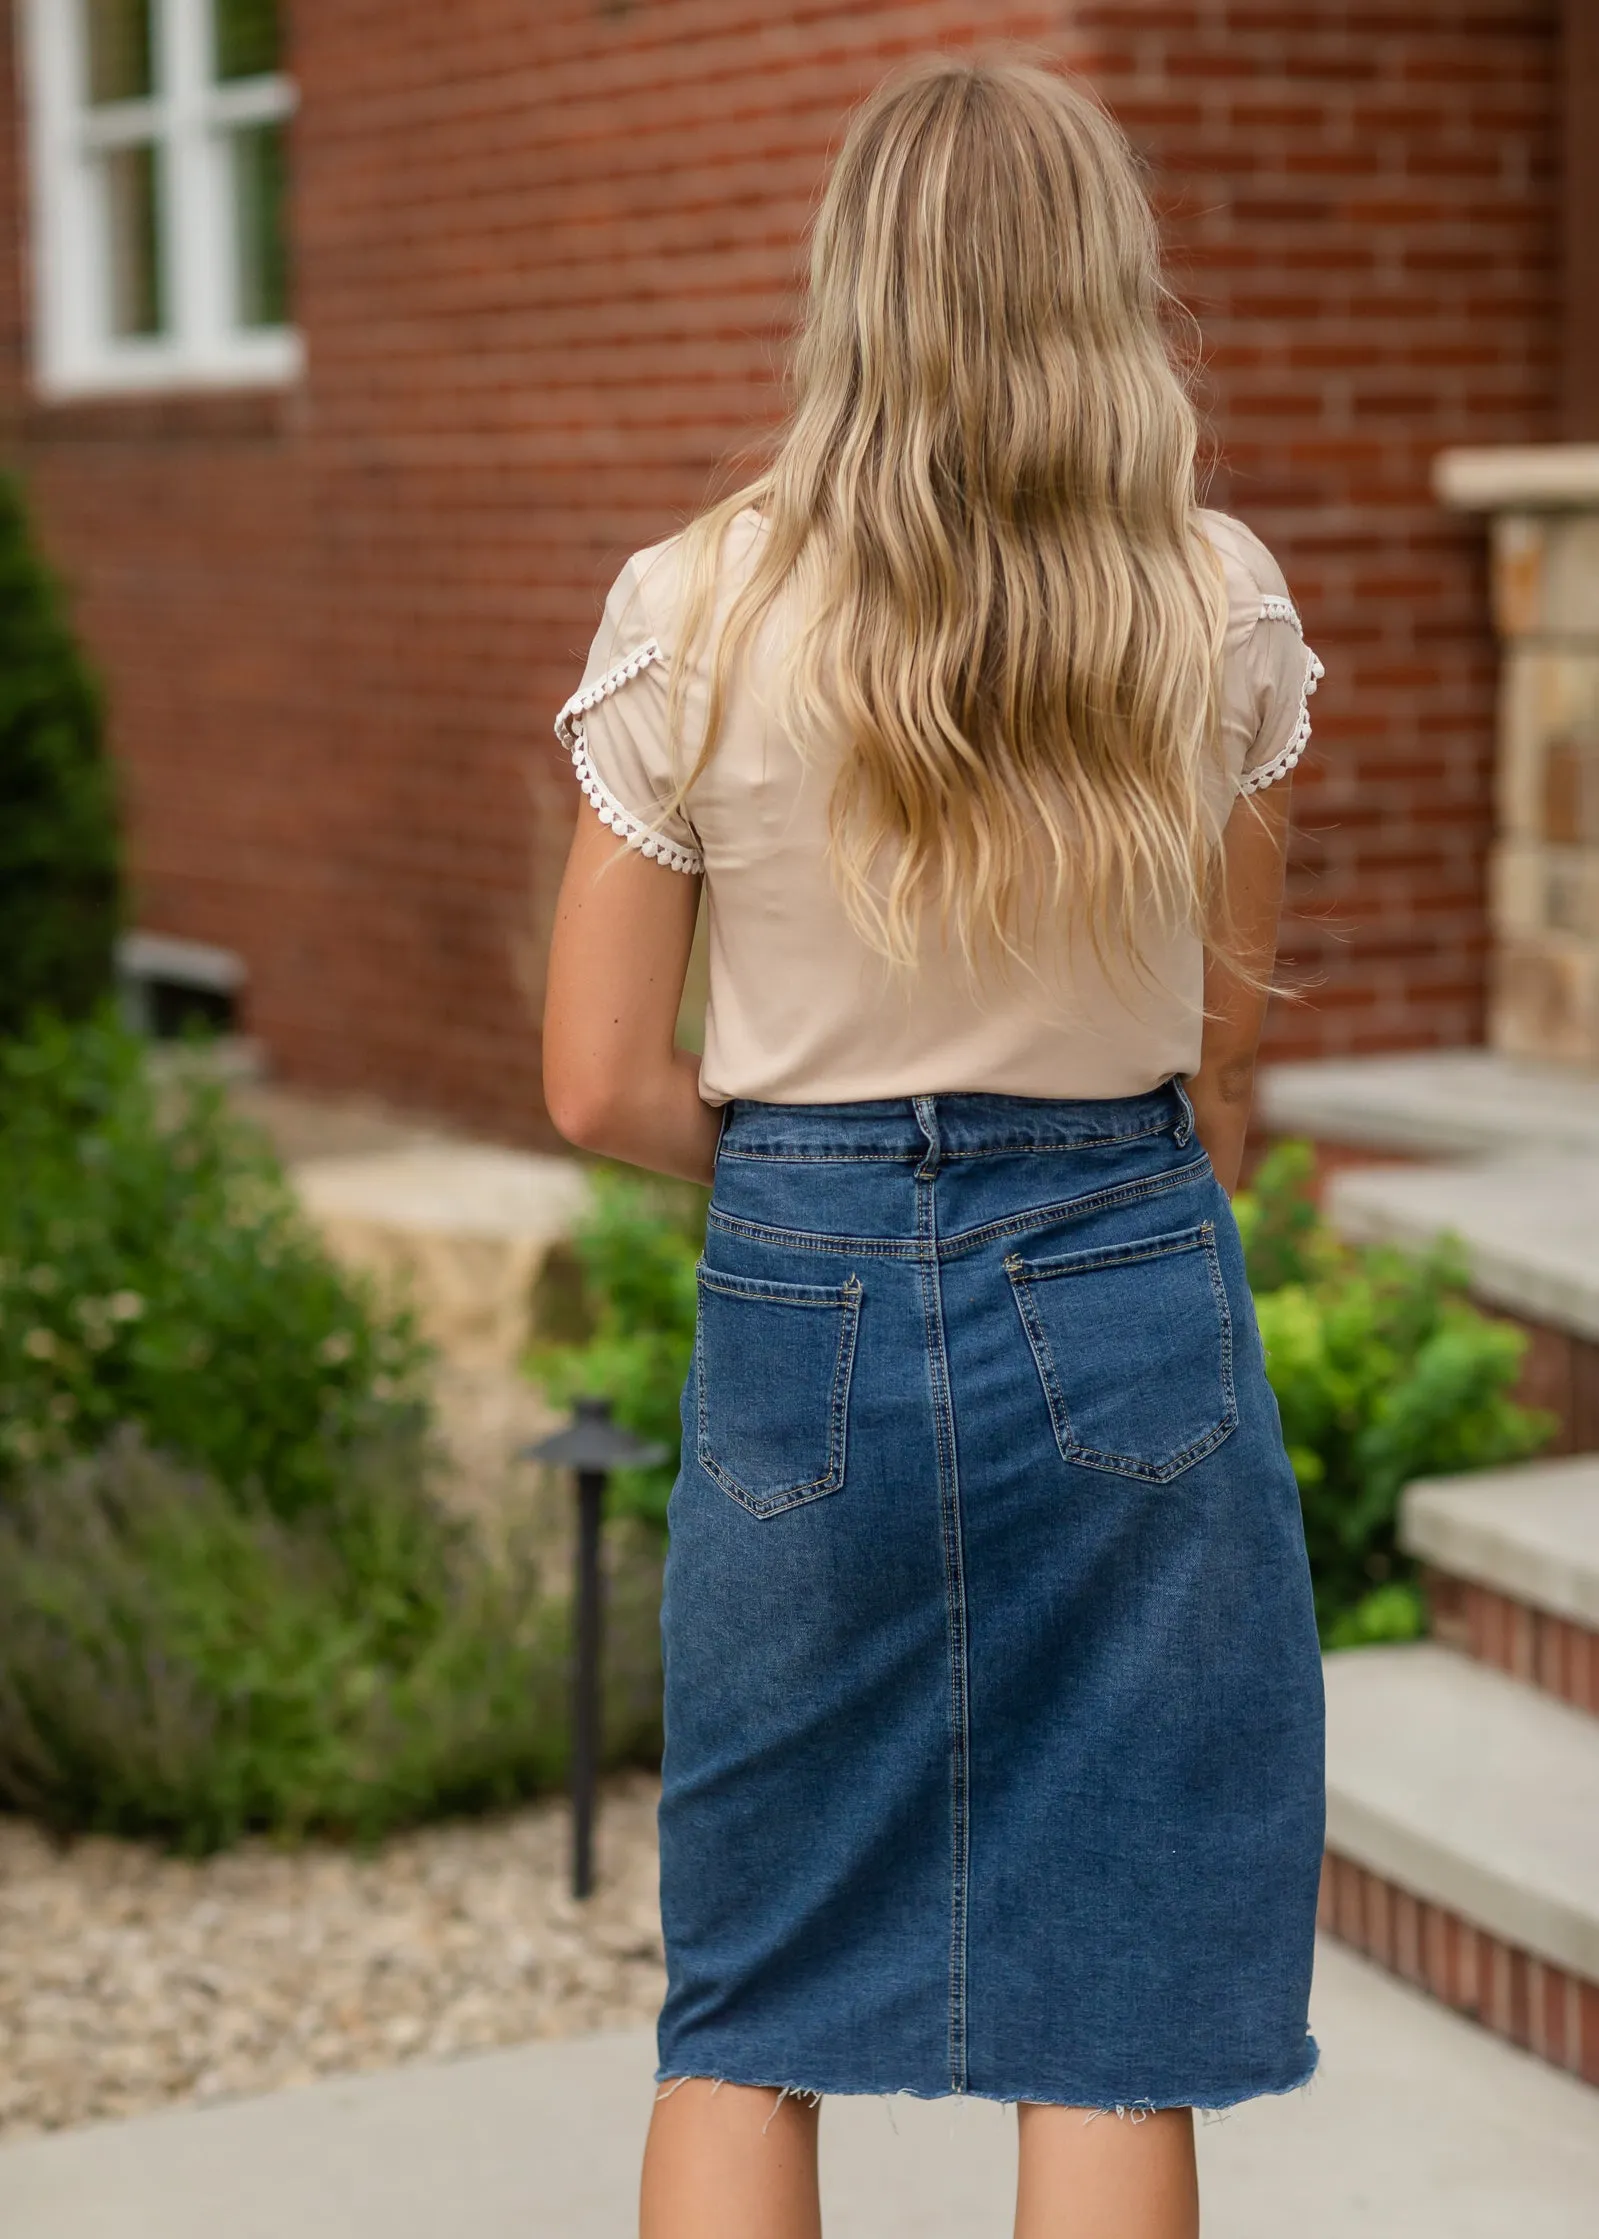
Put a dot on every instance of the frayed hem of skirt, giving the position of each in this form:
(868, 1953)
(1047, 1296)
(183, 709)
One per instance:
(668, 2080)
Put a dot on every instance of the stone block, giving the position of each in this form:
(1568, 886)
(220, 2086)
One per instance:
(1571, 789)
(1544, 999)
(1536, 889)
(1516, 881)
(1546, 575)
(1548, 696)
(1571, 892)
(1517, 562)
(1571, 575)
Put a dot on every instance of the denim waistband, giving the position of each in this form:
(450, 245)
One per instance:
(955, 1126)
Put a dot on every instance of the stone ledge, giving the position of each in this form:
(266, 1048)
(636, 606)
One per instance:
(1471, 1792)
(1462, 1103)
(453, 1189)
(462, 1228)
(1530, 1533)
(1517, 478)
(1530, 1230)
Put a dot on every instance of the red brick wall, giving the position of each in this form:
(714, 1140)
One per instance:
(544, 259)
(1363, 213)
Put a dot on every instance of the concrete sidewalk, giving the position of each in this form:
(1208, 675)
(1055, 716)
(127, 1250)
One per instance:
(1419, 2127)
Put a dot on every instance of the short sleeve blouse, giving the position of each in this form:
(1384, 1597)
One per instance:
(800, 1009)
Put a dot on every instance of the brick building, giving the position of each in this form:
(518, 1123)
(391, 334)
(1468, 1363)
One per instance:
(347, 349)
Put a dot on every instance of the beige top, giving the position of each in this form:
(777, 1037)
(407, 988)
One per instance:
(801, 1010)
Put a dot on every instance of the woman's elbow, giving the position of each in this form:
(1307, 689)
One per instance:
(587, 1110)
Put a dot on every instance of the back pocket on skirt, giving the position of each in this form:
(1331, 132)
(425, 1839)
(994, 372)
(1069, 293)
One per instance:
(773, 1365)
(1134, 1348)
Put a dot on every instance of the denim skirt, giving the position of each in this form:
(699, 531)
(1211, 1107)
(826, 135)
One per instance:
(993, 1700)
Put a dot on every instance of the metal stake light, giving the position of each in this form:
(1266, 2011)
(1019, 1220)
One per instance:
(591, 1445)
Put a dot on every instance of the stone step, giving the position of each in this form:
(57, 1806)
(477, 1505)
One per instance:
(1513, 1569)
(1530, 1228)
(1464, 1103)
(1526, 1207)
(1463, 1841)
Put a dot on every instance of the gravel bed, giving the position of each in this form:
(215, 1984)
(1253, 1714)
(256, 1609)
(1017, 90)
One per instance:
(129, 1980)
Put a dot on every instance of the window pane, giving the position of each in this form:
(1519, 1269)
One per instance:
(132, 188)
(247, 43)
(258, 206)
(121, 49)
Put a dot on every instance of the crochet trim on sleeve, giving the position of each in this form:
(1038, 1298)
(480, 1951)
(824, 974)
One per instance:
(612, 812)
(1275, 608)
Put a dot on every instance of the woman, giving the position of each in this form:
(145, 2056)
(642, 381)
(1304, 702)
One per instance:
(993, 1714)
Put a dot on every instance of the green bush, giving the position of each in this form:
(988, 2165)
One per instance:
(230, 1597)
(636, 1253)
(178, 1663)
(156, 1271)
(1383, 1372)
(59, 887)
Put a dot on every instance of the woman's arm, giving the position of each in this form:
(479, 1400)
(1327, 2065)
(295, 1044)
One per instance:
(613, 1080)
(1254, 848)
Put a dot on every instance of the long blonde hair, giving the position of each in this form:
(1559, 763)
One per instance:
(984, 501)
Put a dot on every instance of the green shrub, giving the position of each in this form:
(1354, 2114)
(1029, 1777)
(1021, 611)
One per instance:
(156, 1271)
(1383, 1372)
(636, 1251)
(1395, 1612)
(229, 1596)
(59, 887)
(180, 1664)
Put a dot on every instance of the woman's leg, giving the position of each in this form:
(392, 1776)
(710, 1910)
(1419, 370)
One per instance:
(726, 2162)
(1106, 2176)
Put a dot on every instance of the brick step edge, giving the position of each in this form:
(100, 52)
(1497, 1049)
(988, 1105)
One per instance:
(1529, 2001)
(1557, 1655)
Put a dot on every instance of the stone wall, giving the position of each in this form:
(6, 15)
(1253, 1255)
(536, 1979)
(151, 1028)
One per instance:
(1544, 999)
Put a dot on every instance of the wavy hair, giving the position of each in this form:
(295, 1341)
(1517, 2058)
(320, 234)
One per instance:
(1009, 620)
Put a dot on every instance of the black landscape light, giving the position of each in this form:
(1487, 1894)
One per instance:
(591, 1445)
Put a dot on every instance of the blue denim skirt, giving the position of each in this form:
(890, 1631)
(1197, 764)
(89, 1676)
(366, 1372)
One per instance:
(993, 1700)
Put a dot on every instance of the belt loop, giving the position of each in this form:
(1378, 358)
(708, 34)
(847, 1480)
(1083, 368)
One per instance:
(721, 1130)
(1185, 1126)
(926, 1110)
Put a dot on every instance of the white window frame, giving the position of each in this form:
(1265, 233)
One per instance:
(74, 354)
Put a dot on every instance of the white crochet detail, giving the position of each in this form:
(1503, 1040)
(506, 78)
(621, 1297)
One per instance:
(1274, 607)
(1256, 781)
(620, 819)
